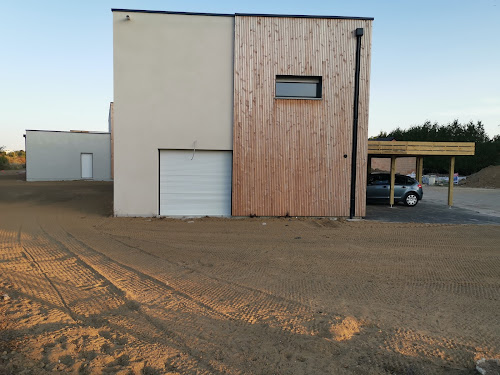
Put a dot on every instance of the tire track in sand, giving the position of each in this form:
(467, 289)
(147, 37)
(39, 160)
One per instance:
(271, 319)
(44, 275)
(147, 282)
(228, 300)
(52, 259)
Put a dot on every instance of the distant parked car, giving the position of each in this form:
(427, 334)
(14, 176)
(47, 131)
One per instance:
(406, 189)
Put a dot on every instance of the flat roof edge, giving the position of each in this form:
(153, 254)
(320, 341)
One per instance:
(66, 131)
(172, 12)
(302, 16)
(241, 14)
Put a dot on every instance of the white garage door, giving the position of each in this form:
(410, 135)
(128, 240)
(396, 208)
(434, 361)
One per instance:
(198, 185)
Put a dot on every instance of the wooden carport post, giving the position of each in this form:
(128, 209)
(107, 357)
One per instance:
(420, 168)
(450, 182)
(393, 178)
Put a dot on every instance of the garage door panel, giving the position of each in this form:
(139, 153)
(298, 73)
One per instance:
(200, 169)
(180, 181)
(195, 185)
(196, 206)
(202, 190)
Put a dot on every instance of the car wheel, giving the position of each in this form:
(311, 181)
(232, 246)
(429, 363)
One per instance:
(411, 199)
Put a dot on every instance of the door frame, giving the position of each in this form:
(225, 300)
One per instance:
(81, 165)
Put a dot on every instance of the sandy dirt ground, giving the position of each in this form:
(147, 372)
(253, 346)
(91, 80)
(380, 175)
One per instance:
(85, 293)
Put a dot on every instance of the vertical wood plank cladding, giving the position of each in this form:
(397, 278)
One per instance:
(288, 155)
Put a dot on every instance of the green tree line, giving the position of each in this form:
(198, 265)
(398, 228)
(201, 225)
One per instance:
(487, 149)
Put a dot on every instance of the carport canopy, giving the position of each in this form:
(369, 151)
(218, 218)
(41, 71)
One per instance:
(395, 149)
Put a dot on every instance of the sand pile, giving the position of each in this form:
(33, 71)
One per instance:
(488, 177)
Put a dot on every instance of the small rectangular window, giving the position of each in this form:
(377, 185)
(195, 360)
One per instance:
(298, 87)
(401, 180)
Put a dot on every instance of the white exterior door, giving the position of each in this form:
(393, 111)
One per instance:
(196, 184)
(87, 170)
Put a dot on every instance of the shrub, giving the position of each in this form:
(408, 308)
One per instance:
(4, 162)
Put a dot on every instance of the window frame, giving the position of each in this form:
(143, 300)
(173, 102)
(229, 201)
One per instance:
(317, 80)
(400, 180)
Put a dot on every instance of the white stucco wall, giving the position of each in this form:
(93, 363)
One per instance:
(55, 156)
(173, 86)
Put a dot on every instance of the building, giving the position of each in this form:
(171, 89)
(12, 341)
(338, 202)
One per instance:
(238, 114)
(406, 166)
(73, 155)
(111, 132)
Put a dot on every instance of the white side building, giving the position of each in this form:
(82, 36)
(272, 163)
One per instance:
(74, 155)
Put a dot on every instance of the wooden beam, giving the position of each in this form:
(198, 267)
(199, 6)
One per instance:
(419, 153)
(420, 148)
(393, 179)
(450, 182)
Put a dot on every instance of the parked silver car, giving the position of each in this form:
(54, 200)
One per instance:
(406, 189)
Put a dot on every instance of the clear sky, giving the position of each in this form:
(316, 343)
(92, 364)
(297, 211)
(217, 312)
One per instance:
(433, 60)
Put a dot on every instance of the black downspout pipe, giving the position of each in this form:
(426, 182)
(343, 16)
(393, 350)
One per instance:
(359, 34)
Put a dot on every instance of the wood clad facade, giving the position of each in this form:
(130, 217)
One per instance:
(288, 154)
